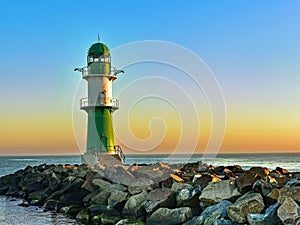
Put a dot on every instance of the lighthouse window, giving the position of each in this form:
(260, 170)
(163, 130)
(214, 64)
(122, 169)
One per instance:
(102, 60)
(96, 59)
(91, 59)
(106, 59)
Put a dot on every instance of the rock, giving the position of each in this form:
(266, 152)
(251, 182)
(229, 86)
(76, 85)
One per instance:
(71, 210)
(216, 192)
(261, 171)
(129, 222)
(140, 184)
(176, 187)
(101, 198)
(24, 203)
(189, 197)
(165, 216)
(53, 181)
(135, 205)
(289, 211)
(118, 174)
(116, 197)
(268, 218)
(281, 170)
(177, 178)
(155, 172)
(286, 192)
(222, 222)
(263, 187)
(88, 183)
(214, 211)
(110, 216)
(83, 215)
(101, 184)
(159, 198)
(248, 203)
(245, 181)
(202, 180)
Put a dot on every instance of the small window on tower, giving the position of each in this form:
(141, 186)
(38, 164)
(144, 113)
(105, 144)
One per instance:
(106, 59)
(91, 59)
(96, 59)
(102, 59)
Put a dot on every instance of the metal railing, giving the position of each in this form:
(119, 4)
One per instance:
(119, 152)
(85, 72)
(92, 102)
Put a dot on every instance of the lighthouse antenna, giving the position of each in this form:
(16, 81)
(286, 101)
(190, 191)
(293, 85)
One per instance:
(98, 38)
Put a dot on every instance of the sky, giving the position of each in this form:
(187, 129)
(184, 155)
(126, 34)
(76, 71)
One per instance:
(251, 48)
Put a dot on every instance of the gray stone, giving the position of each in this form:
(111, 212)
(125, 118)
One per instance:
(116, 197)
(288, 212)
(83, 215)
(269, 218)
(215, 211)
(189, 197)
(140, 184)
(165, 216)
(286, 192)
(101, 184)
(101, 198)
(159, 198)
(118, 174)
(216, 192)
(263, 187)
(248, 203)
(129, 222)
(135, 205)
(222, 222)
(176, 187)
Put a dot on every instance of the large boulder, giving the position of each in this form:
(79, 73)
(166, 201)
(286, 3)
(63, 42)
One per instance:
(212, 213)
(286, 192)
(248, 203)
(118, 174)
(117, 197)
(246, 180)
(261, 171)
(263, 187)
(216, 192)
(189, 197)
(289, 212)
(100, 183)
(159, 198)
(165, 216)
(135, 205)
(268, 218)
(140, 184)
(202, 180)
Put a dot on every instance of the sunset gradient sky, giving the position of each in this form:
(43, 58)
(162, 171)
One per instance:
(252, 47)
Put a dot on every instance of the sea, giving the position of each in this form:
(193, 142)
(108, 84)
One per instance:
(12, 214)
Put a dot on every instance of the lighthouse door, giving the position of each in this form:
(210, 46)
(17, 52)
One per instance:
(103, 97)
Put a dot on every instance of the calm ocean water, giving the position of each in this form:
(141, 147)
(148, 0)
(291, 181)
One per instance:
(12, 214)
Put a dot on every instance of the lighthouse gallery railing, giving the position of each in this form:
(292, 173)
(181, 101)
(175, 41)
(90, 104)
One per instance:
(90, 102)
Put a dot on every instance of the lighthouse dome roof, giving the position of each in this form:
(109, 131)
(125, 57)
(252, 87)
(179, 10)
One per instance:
(98, 49)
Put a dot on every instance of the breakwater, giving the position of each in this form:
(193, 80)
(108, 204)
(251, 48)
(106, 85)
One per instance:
(191, 193)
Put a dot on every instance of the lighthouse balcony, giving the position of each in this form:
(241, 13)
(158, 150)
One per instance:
(86, 73)
(99, 102)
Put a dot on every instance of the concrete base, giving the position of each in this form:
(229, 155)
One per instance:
(100, 157)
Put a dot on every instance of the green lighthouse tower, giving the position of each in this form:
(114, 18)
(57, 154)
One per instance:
(99, 106)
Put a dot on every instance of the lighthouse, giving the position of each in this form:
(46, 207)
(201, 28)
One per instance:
(99, 106)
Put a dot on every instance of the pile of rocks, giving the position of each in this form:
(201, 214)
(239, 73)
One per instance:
(191, 193)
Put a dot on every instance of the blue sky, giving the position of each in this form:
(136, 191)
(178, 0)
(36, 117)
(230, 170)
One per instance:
(251, 46)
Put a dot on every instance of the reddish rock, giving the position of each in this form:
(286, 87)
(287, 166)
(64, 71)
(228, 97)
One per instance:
(261, 171)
